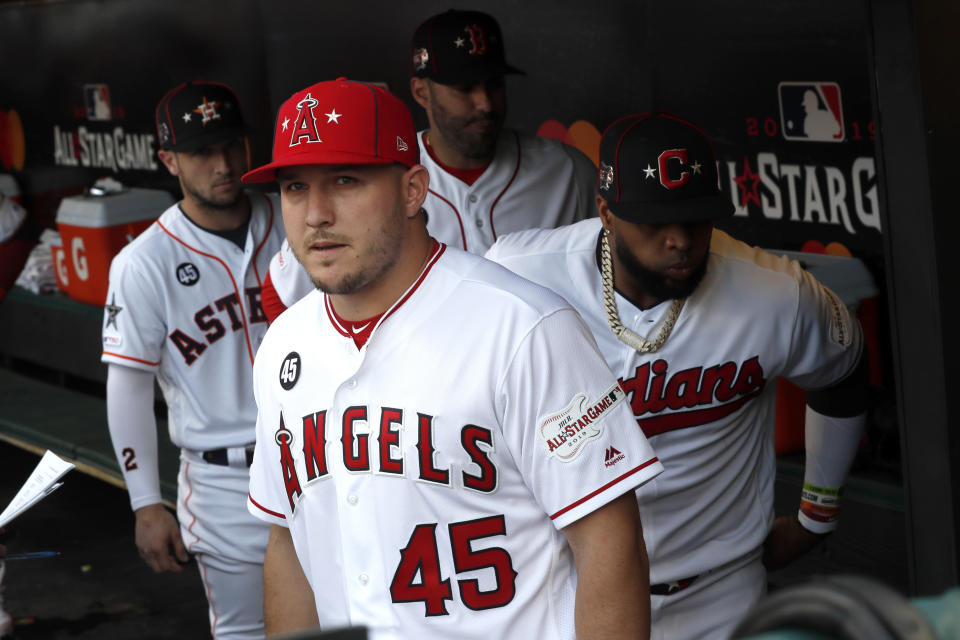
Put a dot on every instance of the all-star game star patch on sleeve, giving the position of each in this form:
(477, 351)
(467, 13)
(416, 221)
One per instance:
(826, 340)
(568, 423)
(134, 331)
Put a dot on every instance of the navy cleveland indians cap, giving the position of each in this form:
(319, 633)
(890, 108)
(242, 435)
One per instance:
(459, 47)
(194, 115)
(657, 168)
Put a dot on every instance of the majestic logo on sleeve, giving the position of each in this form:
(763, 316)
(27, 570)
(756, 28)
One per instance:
(720, 390)
(566, 432)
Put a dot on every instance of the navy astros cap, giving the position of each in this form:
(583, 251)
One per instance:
(194, 115)
(459, 47)
(657, 168)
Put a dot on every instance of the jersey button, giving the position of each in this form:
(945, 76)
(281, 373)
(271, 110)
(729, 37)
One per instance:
(472, 198)
(364, 578)
(352, 499)
(479, 224)
(352, 384)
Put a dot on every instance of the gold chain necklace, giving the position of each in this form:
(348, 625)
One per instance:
(623, 334)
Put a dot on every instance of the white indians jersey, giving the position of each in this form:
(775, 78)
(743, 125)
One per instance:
(706, 398)
(425, 477)
(185, 303)
(532, 183)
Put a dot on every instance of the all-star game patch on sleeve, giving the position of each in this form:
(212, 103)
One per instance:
(134, 331)
(567, 423)
(826, 340)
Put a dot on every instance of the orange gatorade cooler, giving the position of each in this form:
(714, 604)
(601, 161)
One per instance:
(60, 264)
(94, 228)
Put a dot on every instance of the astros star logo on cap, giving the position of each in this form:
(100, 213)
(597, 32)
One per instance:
(207, 109)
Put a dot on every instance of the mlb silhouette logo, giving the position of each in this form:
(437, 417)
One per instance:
(96, 97)
(811, 111)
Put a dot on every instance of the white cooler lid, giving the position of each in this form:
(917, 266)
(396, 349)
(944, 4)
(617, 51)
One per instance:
(130, 205)
(8, 186)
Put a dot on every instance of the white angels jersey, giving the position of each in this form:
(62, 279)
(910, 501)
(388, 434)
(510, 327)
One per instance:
(532, 183)
(185, 304)
(706, 398)
(425, 477)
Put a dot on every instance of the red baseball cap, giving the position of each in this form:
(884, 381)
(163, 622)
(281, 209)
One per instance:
(340, 122)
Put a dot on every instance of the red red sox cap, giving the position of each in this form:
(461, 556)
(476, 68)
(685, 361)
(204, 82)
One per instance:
(658, 168)
(196, 114)
(459, 47)
(340, 122)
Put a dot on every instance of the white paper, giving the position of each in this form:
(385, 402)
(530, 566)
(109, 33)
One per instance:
(44, 480)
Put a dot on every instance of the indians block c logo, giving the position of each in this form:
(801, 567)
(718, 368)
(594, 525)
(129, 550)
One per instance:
(187, 274)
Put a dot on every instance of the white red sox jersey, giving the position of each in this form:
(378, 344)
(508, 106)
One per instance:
(706, 398)
(185, 303)
(425, 478)
(532, 183)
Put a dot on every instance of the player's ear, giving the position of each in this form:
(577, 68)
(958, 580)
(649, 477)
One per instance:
(414, 184)
(169, 160)
(420, 92)
(604, 212)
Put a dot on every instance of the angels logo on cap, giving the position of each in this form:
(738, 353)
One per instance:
(658, 168)
(340, 122)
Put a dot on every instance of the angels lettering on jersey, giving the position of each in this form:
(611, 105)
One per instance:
(360, 428)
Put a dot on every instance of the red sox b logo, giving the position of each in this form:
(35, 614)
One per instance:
(476, 39)
(306, 124)
(665, 179)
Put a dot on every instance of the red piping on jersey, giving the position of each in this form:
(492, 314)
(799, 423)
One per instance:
(334, 320)
(603, 488)
(246, 330)
(186, 501)
(206, 587)
(463, 234)
(264, 509)
(438, 249)
(256, 252)
(117, 355)
(516, 170)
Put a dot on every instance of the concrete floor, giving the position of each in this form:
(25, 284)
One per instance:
(98, 588)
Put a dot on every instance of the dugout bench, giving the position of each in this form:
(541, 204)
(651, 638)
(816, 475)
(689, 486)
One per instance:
(52, 387)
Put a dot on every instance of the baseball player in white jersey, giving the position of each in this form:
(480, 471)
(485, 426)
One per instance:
(183, 306)
(441, 450)
(698, 326)
(485, 180)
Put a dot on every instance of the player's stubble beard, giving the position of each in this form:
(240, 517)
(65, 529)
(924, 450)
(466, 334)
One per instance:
(382, 248)
(655, 283)
(208, 201)
(479, 145)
